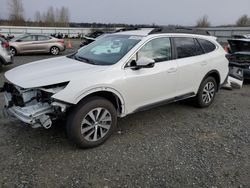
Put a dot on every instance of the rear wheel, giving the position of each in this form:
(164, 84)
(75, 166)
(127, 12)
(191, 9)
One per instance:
(54, 50)
(206, 93)
(92, 122)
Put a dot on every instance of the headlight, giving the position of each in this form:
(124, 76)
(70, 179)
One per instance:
(55, 88)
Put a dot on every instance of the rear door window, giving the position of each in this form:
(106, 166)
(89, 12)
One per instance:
(207, 45)
(42, 38)
(28, 38)
(187, 47)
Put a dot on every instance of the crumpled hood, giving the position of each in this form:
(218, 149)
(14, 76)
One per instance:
(50, 71)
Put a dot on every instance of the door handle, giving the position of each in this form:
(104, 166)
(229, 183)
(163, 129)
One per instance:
(203, 63)
(173, 69)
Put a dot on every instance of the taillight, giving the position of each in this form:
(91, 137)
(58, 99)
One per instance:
(5, 45)
(61, 41)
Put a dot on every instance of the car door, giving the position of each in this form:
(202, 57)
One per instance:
(25, 44)
(41, 44)
(190, 60)
(147, 86)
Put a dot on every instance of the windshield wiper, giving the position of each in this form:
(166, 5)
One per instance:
(83, 59)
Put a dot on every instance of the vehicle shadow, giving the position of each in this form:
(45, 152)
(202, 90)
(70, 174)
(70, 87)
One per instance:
(128, 127)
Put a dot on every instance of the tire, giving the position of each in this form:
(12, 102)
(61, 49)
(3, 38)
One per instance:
(206, 93)
(13, 51)
(54, 50)
(91, 122)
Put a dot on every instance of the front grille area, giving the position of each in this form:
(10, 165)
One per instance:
(16, 96)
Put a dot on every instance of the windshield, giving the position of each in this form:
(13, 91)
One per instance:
(107, 50)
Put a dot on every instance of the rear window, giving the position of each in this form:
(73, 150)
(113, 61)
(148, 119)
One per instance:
(207, 45)
(187, 47)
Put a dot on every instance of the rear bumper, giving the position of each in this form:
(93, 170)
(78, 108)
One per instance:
(64, 48)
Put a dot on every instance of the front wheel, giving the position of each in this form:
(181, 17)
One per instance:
(13, 51)
(92, 122)
(206, 92)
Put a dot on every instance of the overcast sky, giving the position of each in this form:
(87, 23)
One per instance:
(182, 12)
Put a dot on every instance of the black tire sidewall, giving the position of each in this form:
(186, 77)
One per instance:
(79, 112)
(200, 102)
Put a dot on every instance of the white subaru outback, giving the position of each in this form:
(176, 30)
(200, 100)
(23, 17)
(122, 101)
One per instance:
(119, 74)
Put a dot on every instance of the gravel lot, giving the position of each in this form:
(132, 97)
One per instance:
(175, 145)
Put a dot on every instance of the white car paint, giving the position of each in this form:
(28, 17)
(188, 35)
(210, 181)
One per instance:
(50, 71)
(134, 88)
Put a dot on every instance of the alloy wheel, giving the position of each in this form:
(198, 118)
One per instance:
(96, 124)
(208, 92)
(54, 50)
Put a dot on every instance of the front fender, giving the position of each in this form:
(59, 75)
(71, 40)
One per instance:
(69, 96)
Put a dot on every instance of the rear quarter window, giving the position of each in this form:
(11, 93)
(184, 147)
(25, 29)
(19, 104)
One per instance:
(207, 45)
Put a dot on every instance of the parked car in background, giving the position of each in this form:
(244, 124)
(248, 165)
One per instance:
(239, 55)
(2, 36)
(5, 56)
(36, 43)
(8, 37)
(246, 36)
(117, 75)
(91, 37)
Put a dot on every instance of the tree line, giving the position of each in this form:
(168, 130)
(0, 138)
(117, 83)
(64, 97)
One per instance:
(51, 17)
(60, 17)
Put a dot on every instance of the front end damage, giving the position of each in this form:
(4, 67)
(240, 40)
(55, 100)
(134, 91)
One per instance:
(34, 106)
(240, 55)
(235, 79)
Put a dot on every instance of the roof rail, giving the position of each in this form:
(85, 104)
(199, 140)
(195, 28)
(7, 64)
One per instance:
(126, 29)
(183, 30)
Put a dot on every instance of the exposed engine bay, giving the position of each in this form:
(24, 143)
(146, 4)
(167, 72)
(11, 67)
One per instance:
(34, 106)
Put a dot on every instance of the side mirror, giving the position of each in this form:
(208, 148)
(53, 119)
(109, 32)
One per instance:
(144, 62)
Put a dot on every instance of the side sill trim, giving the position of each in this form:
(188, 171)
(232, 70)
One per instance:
(164, 102)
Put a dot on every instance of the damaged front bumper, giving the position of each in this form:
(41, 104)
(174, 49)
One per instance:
(235, 78)
(244, 66)
(35, 115)
(31, 110)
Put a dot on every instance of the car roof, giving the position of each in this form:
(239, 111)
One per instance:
(169, 31)
(140, 32)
